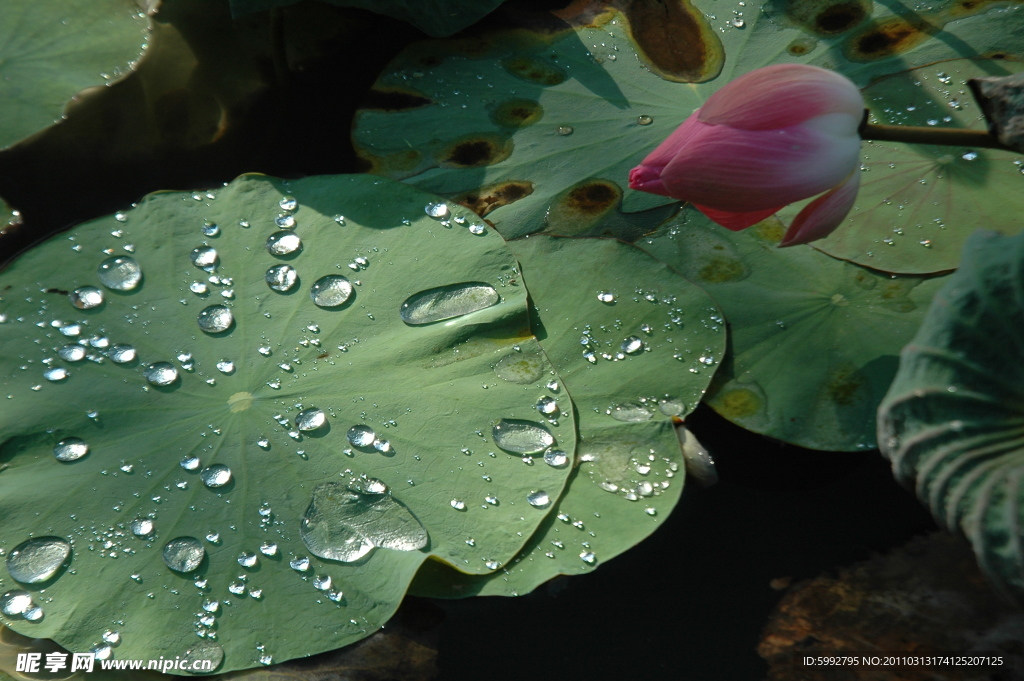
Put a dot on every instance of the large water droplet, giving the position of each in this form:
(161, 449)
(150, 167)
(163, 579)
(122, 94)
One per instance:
(345, 523)
(204, 257)
(281, 277)
(183, 554)
(521, 437)
(37, 560)
(161, 373)
(120, 273)
(283, 243)
(216, 475)
(70, 449)
(86, 297)
(446, 302)
(16, 602)
(361, 436)
(215, 318)
(310, 419)
(330, 291)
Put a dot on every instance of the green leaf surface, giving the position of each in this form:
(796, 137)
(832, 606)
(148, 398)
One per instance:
(428, 389)
(435, 17)
(953, 421)
(52, 49)
(917, 204)
(813, 341)
(537, 131)
(628, 472)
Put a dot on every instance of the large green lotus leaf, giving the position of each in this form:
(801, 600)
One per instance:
(52, 49)
(953, 421)
(917, 204)
(434, 17)
(629, 467)
(813, 341)
(538, 131)
(434, 304)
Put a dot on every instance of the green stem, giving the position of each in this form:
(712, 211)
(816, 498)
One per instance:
(918, 134)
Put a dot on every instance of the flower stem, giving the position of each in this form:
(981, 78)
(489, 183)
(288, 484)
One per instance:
(918, 134)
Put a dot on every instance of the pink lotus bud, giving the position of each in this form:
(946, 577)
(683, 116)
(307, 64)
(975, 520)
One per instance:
(773, 136)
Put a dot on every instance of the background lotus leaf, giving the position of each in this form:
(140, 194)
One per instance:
(429, 390)
(952, 421)
(52, 49)
(628, 471)
(813, 341)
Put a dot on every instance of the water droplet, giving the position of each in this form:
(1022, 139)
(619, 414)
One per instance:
(382, 446)
(345, 523)
(520, 367)
(564, 130)
(204, 257)
(120, 274)
(336, 595)
(477, 229)
(606, 297)
(556, 458)
(588, 557)
(142, 527)
(161, 373)
(198, 288)
(86, 297)
(310, 419)
(37, 560)
(737, 22)
(56, 374)
(122, 354)
(446, 302)
(281, 277)
(216, 475)
(210, 605)
(70, 449)
(183, 554)
(210, 229)
(283, 243)
(547, 405)
(72, 353)
(33, 614)
(521, 437)
(268, 549)
(633, 345)
(190, 463)
(644, 120)
(237, 588)
(361, 436)
(16, 602)
(436, 210)
(538, 499)
(215, 318)
(288, 203)
(198, 655)
(322, 582)
(265, 350)
(248, 559)
(969, 155)
(299, 564)
(285, 221)
(330, 291)
(458, 504)
(226, 366)
(630, 412)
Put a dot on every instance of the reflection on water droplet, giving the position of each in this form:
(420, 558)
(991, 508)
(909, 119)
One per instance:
(86, 297)
(330, 291)
(120, 274)
(644, 120)
(216, 475)
(361, 436)
(122, 354)
(204, 257)
(161, 373)
(564, 130)
(521, 437)
(142, 527)
(310, 419)
(345, 523)
(556, 458)
(16, 602)
(436, 210)
(281, 277)
(215, 318)
(538, 499)
(283, 243)
(183, 554)
(37, 560)
(70, 449)
(446, 302)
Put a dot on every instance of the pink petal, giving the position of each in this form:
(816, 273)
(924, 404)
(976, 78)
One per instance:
(780, 96)
(820, 217)
(655, 162)
(740, 171)
(737, 221)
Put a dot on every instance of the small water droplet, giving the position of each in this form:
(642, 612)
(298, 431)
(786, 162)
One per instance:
(477, 229)
(330, 291)
(142, 527)
(310, 419)
(436, 210)
(361, 436)
(247, 559)
(547, 405)
(322, 582)
(56, 374)
(122, 354)
(588, 557)
(183, 554)
(161, 373)
(216, 475)
(226, 366)
(268, 549)
(121, 273)
(72, 353)
(15, 602)
(285, 221)
(564, 130)
(190, 463)
(288, 203)
(299, 564)
(70, 449)
(281, 277)
(644, 120)
(606, 297)
(556, 458)
(283, 243)
(633, 345)
(458, 504)
(204, 257)
(38, 560)
(382, 446)
(215, 319)
(521, 437)
(86, 297)
(210, 229)
(538, 499)
(737, 22)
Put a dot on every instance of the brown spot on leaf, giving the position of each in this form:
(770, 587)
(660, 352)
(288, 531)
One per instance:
(846, 386)
(738, 403)
(475, 151)
(581, 207)
(676, 39)
(593, 197)
(719, 269)
(517, 113)
(495, 196)
(534, 70)
(393, 100)
(886, 38)
(829, 18)
(398, 165)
